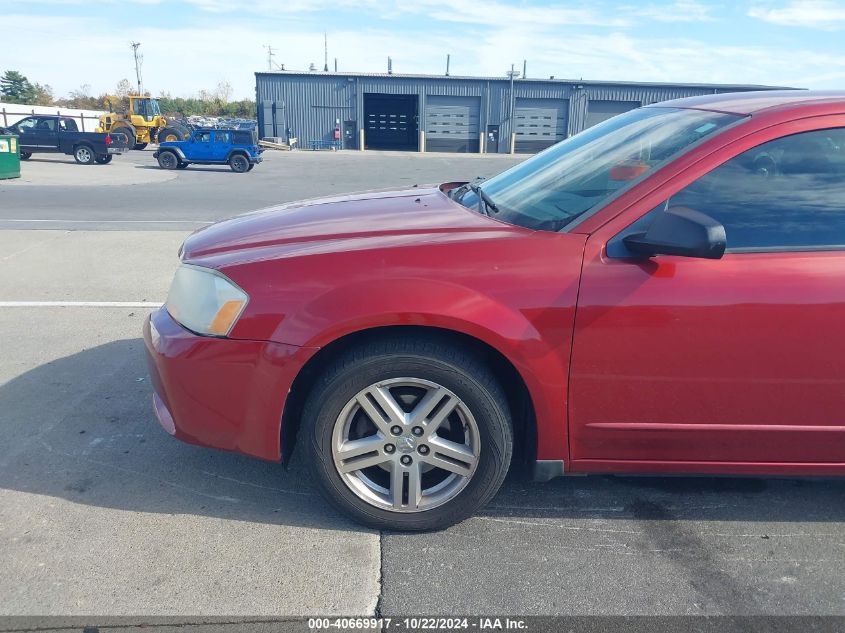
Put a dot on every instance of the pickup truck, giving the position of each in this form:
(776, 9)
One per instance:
(58, 134)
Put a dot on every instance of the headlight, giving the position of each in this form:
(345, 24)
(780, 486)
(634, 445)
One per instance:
(204, 301)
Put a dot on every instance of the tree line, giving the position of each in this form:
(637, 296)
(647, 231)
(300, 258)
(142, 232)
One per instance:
(17, 88)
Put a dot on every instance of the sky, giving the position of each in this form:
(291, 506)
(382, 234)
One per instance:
(191, 45)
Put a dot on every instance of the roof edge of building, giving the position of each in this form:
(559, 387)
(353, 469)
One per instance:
(582, 82)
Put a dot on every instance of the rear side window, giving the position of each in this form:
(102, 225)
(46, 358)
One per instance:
(243, 138)
(223, 137)
(787, 194)
(68, 125)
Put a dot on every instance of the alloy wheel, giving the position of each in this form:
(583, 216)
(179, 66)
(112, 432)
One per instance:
(406, 445)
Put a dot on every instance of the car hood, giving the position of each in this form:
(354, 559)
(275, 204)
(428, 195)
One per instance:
(364, 220)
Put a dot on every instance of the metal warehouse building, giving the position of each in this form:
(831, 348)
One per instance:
(446, 113)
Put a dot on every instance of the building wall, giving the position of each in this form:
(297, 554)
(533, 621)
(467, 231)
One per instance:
(309, 105)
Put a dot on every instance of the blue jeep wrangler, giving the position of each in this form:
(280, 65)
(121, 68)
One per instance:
(238, 148)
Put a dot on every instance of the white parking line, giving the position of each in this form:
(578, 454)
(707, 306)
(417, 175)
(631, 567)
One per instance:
(80, 304)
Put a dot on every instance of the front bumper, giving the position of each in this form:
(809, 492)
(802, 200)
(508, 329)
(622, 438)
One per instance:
(221, 393)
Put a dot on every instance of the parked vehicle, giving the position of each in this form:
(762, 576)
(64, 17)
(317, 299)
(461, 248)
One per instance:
(139, 118)
(237, 148)
(58, 134)
(661, 293)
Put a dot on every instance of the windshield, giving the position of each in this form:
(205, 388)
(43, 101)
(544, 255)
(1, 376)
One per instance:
(551, 189)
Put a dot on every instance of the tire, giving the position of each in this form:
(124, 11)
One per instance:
(182, 166)
(130, 135)
(141, 145)
(26, 155)
(168, 160)
(104, 160)
(411, 369)
(251, 165)
(239, 163)
(84, 155)
(170, 133)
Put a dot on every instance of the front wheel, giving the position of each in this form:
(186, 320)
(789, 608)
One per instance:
(25, 155)
(104, 160)
(408, 434)
(239, 163)
(84, 155)
(168, 160)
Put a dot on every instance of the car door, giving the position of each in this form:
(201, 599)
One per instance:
(222, 145)
(45, 134)
(25, 129)
(201, 148)
(730, 364)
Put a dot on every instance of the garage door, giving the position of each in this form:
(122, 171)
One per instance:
(391, 121)
(599, 110)
(452, 124)
(539, 123)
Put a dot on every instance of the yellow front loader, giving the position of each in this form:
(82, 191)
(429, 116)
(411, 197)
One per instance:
(141, 120)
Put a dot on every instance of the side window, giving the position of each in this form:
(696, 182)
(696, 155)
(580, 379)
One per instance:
(243, 138)
(26, 125)
(68, 125)
(203, 137)
(46, 125)
(787, 194)
(223, 137)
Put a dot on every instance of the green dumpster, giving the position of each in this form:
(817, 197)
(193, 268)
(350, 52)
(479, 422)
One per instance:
(10, 157)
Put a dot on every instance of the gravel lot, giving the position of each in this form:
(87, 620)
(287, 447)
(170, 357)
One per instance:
(102, 513)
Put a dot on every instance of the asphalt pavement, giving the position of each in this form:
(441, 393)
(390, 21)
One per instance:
(139, 200)
(101, 512)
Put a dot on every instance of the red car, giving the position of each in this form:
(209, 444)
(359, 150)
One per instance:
(662, 293)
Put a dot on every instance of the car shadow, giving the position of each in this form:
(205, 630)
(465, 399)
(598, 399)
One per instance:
(191, 168)
(49, 158)
(81, 428)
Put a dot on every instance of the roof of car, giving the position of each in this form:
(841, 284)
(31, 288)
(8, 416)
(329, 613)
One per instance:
(218, 129)
(753, 102)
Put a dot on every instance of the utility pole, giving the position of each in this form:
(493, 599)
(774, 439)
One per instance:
(448, 56)
(511, 127)
(512, 73)
(325, 52)
(270, 55)
(138, 61)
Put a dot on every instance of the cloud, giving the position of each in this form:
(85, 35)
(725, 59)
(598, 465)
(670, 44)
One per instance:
(679, 11)
(818, 14)
(197, 52)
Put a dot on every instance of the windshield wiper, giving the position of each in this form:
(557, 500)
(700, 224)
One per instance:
(484, 198)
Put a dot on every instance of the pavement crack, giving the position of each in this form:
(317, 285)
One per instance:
(380, 599)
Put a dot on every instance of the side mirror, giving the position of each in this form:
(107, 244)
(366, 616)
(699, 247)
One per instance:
(680, 231)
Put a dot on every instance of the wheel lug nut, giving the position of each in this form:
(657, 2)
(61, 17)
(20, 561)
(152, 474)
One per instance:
(389, 448)
(406, 460)
(396, 430)
(423, 449)
(417, 430)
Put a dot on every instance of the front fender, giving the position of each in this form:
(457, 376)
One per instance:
(175, 150)
(542, 362)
